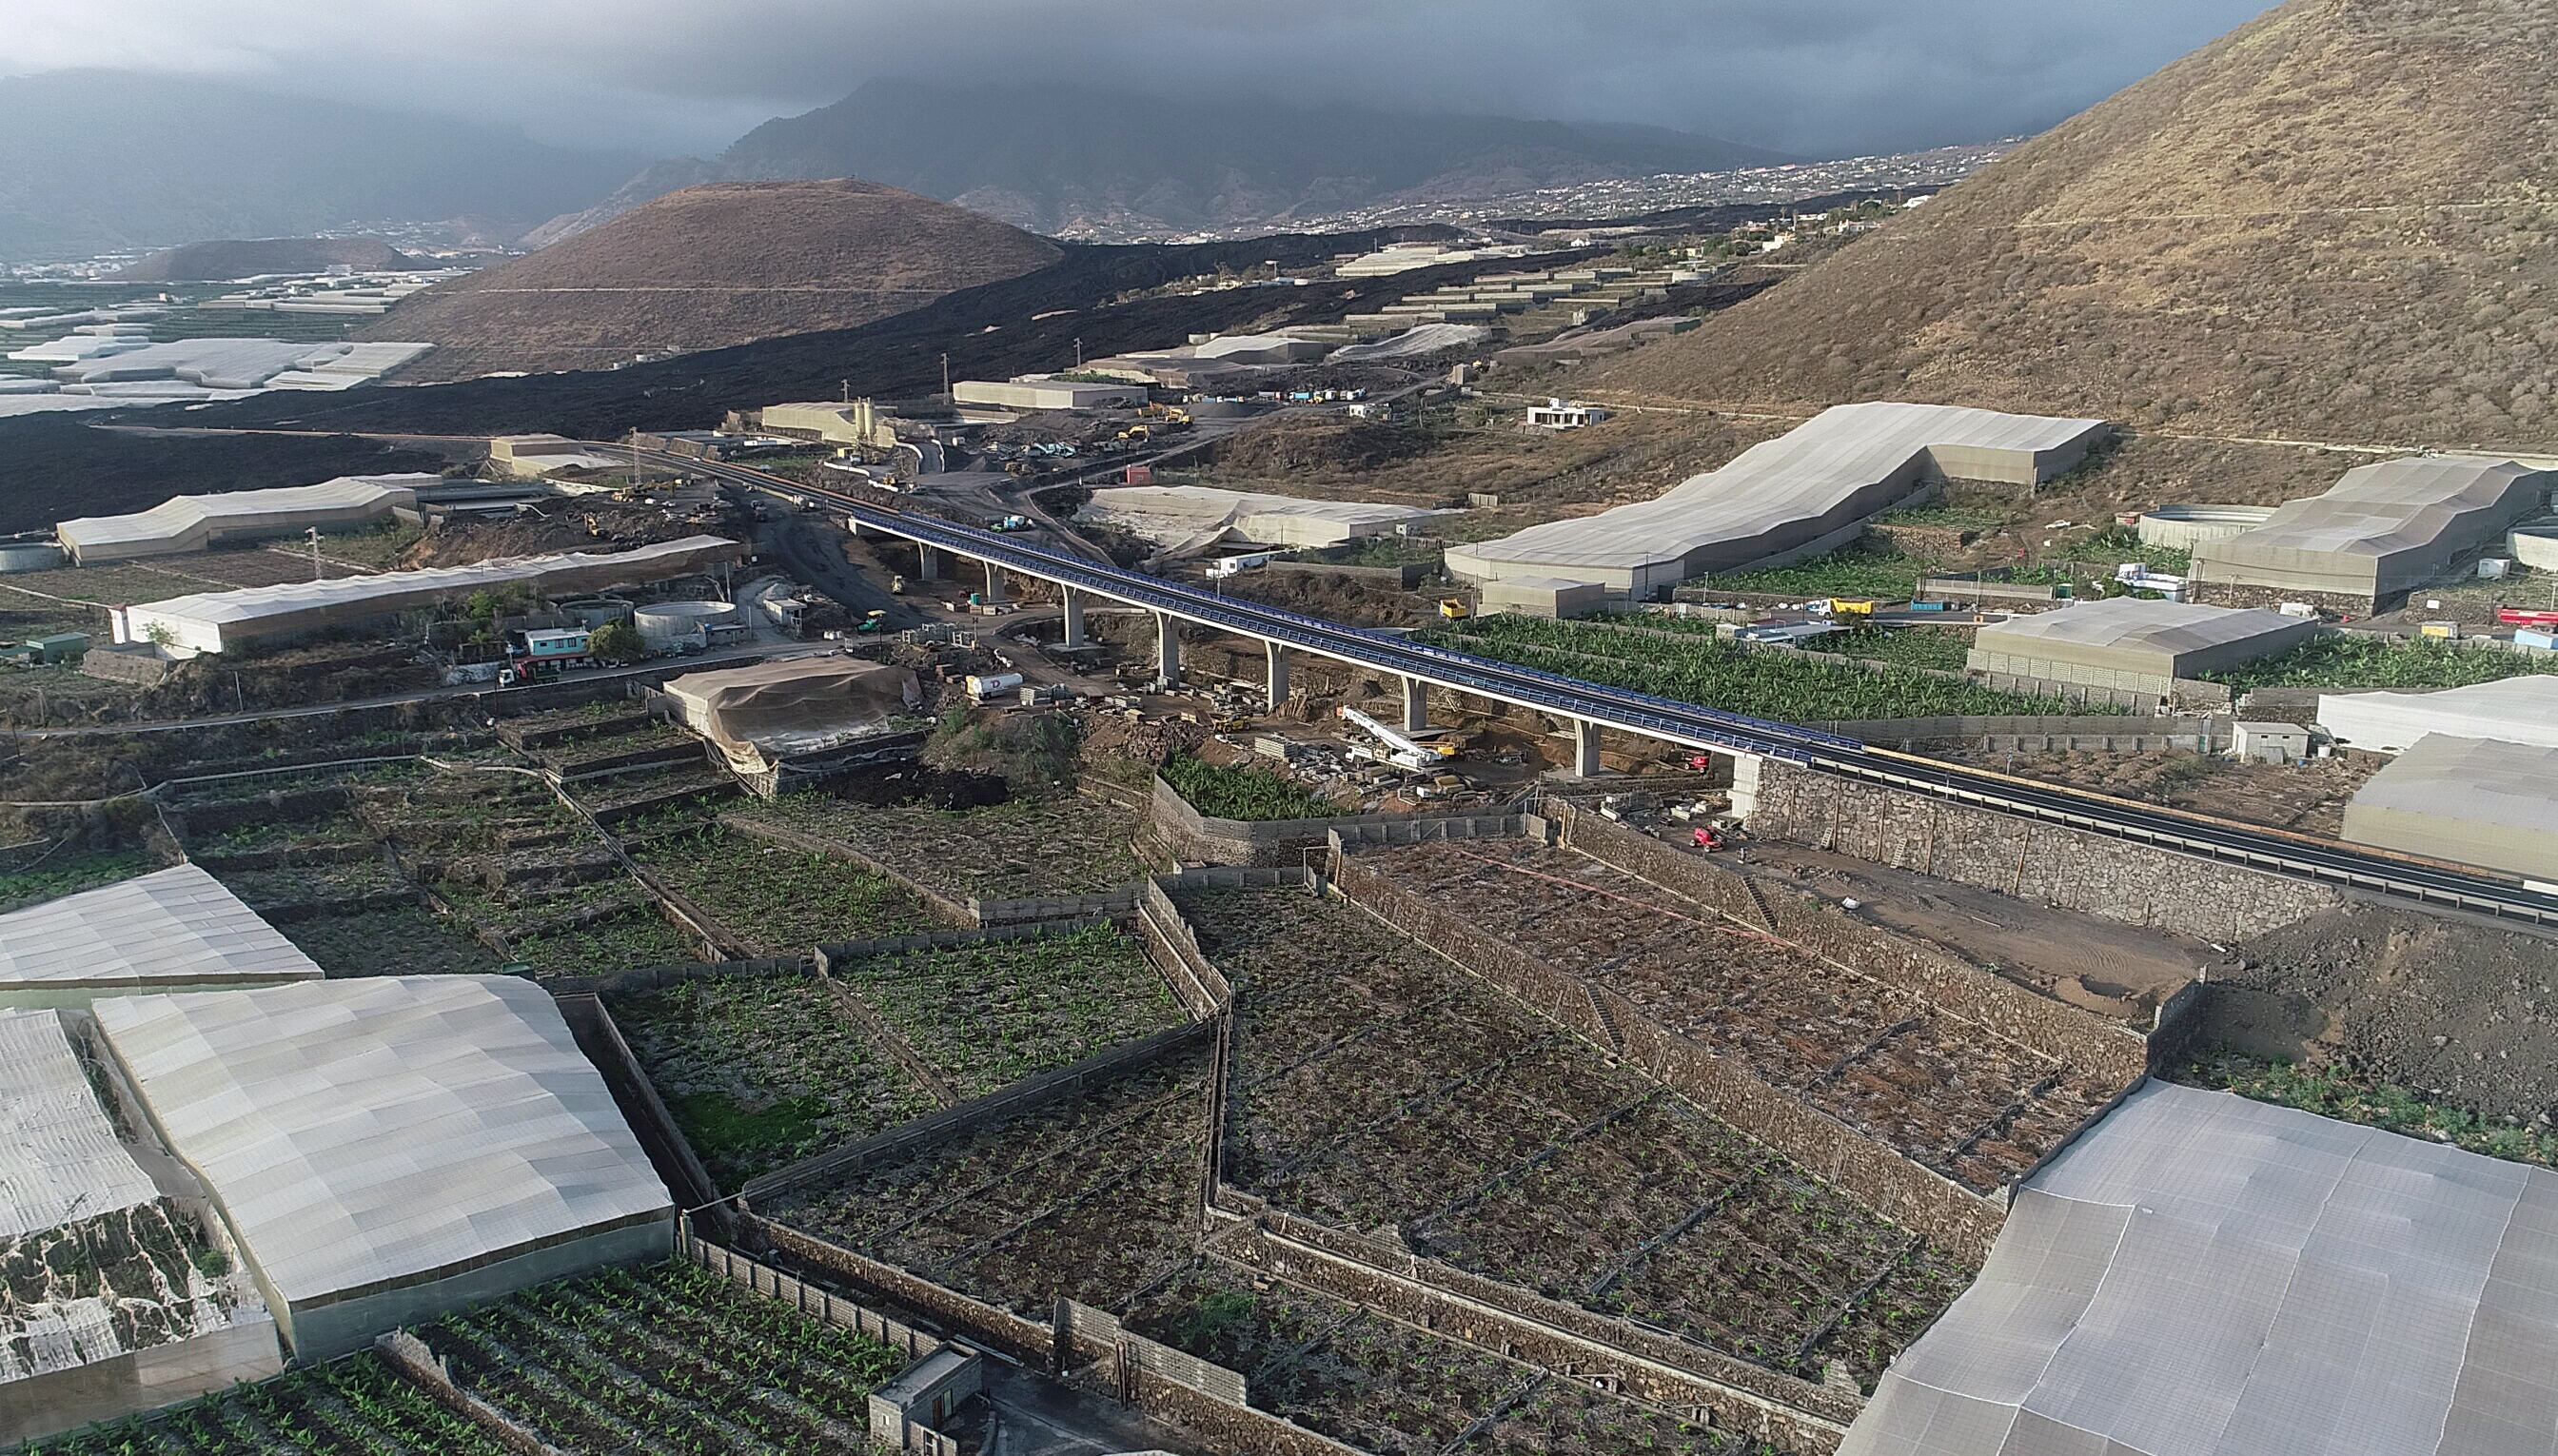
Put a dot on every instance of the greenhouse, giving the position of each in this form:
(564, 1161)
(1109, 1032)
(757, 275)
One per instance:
(176, 929)
(2516, 709)
(2470, 801)
(1785, 495)
(194, 522)
(2131, 644)
(2380, 531)
(388, 1149)
(2203, 1275)
(215, 621)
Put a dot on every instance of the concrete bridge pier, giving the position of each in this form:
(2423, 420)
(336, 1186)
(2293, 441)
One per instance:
(1416, 706)
(928, 562)
(1073, 617)
(994, 584)
(1277, 655)
(1585, 749)
(1168, 649)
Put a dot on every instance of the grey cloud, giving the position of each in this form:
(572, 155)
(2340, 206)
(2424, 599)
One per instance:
(1809, 76)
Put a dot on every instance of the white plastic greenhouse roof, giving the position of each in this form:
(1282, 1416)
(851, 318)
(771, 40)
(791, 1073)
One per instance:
(2477, 782)
(1812, 472)
(180, 517)
(1199, 507)
(2204, 1275)
(2517, 711)
(59, 1159)
(2377, 509)
(375, 1132)
(2137, 623)
(176, 927)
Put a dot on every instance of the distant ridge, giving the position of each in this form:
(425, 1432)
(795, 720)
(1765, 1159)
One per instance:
(2328, 226)
(230, 259)
(708, 267)
(1063, 159)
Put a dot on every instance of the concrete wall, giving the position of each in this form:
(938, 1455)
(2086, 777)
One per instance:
(138, 1380)
(2070, 869)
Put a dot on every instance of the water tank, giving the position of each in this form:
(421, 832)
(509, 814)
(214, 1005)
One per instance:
(986, 686)
(669, 625)
(593, 612)
(29, 556)
(2184, 528)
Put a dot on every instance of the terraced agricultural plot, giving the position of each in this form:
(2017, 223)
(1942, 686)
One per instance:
(1094, 1197)
(1375, 1085)
(354, 1406)
(1387, 1387)
(402, 939)
(69, 873)
(1946, 1092)
(761, 1071)
(987, 1015)
(777, 898)
(669, 1359)
(1018, 851)
(629, 941)
(1695, 669)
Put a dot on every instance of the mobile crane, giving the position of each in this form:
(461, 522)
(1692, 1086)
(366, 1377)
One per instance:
(1401, 751)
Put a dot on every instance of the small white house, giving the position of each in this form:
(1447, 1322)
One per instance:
(1563, 414)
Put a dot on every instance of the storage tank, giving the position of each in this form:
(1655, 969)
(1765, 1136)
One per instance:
(666, 626)
(29, 556)
(2184, 528)
(992, 683)
(593, 612)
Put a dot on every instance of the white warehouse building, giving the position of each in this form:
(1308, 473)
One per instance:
(194, 522)
(387, 1149)
(216, 622)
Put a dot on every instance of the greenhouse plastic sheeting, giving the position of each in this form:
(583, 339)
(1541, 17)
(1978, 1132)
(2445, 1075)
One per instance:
(2204, 1275)
(59, 1160)
(1847, 462)
(2381, 528)
(2515, 711)
(800, 705)
(188, 522)
(174, 927)
(368, 1133)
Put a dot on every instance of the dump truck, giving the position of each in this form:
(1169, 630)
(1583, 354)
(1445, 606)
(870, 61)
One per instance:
(1851, 607)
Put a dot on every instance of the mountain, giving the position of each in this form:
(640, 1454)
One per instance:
(1059, 159)
(2330, 226)
(707, 267)
(230, 259)
(104, 160)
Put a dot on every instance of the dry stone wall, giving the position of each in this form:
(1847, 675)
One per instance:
(2070, 869)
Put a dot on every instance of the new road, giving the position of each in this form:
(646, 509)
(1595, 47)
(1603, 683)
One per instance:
(1689, 725)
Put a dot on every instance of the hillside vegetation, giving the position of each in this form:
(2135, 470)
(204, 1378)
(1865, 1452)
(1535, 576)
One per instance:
(710, 267)
(2329, 224)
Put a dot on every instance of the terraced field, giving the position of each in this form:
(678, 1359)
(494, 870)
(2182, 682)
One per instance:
(1375, 1085)
(1016, 850)
(778, 900)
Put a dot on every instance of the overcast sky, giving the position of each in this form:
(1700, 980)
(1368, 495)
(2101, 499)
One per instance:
(1817, 77)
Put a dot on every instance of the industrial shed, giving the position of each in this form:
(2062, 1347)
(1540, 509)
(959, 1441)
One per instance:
(795, 708)
(2517, 711)
(1201, 514)
(1785, 495)
(2203, 1275)
(87, 1331)
(2132, 644)
(1036, 393)
(194, 522)
(216, 622)
(172, 930)
(391, 1148)
(2378, 532)
(2471, 801)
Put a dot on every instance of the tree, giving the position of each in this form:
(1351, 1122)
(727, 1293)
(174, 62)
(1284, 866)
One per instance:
(617, 641)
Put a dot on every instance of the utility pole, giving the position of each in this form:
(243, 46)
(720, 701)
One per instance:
(315, 572)
(945, 379)
(848, 389)
(1078, 352)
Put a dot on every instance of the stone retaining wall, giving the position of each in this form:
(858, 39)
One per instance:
(1650, 1364)
(1027, 1341)
(2070, 869)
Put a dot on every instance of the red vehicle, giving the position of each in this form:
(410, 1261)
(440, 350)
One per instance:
(1708, 838)
(2523, 617)
(1701, 762)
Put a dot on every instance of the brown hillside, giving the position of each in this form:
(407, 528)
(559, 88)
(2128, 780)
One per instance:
(2331, 225)
(708, 267)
